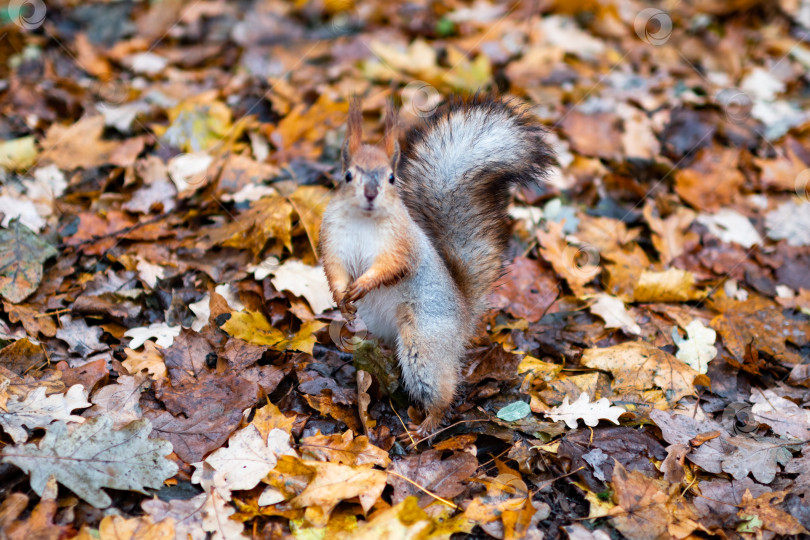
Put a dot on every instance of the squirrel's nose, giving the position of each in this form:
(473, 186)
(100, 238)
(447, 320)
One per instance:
(370, 192)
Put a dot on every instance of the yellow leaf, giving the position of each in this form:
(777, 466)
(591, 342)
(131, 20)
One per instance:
(304, 340)
(253, 327)
(151, 359)
(269, 418)
(673, 285)
(119, 528)
(309, 203)
(18, 154)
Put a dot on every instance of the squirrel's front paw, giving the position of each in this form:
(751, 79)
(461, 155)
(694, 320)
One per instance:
(355, 291)
(348, 309)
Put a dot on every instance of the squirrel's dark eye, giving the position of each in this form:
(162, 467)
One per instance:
(349, 176)
(391, 178)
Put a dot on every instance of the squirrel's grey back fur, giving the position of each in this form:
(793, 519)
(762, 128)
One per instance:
(455, 179)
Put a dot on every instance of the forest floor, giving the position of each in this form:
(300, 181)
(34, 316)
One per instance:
(172, 365)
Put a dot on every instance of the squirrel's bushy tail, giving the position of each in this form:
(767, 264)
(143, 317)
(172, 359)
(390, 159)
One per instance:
(456, 177)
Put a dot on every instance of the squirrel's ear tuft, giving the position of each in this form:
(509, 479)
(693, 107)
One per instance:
(390, 137)
(395, 156)
(354, 130)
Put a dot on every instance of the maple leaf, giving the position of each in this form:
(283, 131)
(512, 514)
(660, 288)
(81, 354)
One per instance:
(583, 409)
(81, 146)
(21, 256)
(445, 478)
(94, 456)
(37, 410)
(565, 258)
(253, 327)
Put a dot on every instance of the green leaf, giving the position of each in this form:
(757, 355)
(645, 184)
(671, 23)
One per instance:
(514, 411)
(22, 253)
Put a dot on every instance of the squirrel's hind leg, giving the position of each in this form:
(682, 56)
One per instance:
(429, 359)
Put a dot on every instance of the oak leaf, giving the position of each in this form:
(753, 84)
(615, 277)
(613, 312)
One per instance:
(22, 253)
(94, 456)
(583, 409)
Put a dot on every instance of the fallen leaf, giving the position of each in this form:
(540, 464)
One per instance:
(249, 457)
(185, 514)
(344, 448)
(583, 409)
(121, 528)
(18, 154)
(94, 456)
(673, 285)
(81, 146)
(82, 339)
(304, 280)
(120, 401)
(791, 222)
(21, 256)
(442, 477)
(162, 333)
(149, 359)
(698, 349)
(216, 519)
(38, 410)
(784, 417)
(615, 314)
(638, 366)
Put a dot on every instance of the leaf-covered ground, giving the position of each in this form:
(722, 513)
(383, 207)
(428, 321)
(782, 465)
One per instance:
(171, 363)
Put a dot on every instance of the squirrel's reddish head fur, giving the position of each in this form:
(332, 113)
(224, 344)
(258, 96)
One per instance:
(369, 172)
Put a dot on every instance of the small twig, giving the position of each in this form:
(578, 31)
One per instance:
(49, 313)
(446, 428)
(445, 501)
(413, 444)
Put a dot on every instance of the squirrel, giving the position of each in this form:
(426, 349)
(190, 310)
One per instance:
(413, 242)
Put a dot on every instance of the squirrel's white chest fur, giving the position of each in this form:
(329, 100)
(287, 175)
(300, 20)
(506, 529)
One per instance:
(357, 243)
